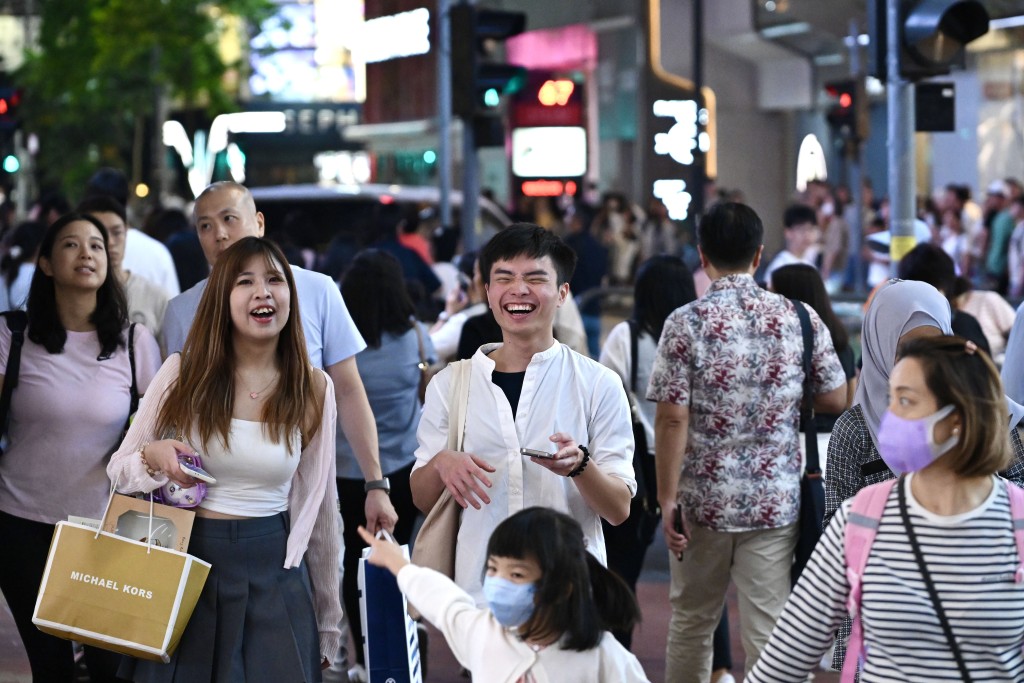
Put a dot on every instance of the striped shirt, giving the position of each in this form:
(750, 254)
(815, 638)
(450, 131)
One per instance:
(849, 449)
(972, 558)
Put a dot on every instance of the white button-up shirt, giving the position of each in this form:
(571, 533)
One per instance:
(563, 391)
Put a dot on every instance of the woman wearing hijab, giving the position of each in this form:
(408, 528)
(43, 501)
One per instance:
(901, 310)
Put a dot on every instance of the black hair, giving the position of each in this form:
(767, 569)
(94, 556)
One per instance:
(663, 284)
(531, 241)
(798, 214)
(109, 182)
(53, 201)
(110, 316)
(24, 243)
(376, 296)
(729, 235)
(929, 263)
(100, 203)
(163, 223)
(577, 598)
(387, 219)
(803, 282)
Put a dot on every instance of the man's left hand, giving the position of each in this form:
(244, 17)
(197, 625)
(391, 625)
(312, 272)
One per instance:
(380, 513)
(567, 458)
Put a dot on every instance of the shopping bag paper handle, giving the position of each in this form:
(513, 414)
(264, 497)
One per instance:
(106, 511)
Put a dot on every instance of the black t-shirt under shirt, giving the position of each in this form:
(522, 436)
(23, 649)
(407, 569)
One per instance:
(512, 384)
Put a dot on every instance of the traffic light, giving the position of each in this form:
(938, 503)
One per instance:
(479, 78)
(10, 101)
(933, 34)
(849, 114)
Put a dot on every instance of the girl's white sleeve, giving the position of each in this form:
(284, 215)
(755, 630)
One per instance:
(466, 627)
(125, 466)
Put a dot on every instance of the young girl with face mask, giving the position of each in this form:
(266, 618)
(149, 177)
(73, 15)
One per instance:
(551, 605)
(945, 430)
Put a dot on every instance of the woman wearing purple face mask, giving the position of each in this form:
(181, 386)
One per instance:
(900, 311)
(939, 594)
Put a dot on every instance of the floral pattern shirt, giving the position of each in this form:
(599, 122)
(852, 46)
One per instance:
(735, 358)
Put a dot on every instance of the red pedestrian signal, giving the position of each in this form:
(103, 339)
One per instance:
(10, 98)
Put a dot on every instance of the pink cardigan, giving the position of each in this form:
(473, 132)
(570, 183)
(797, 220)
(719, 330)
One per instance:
(312, 501)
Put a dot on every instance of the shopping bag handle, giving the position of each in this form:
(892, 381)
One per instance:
(384, 534)
(106, 511)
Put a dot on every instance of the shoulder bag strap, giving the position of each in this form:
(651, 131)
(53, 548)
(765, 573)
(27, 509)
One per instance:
(812, 467)
(16, 321)
(424, 364)
(634, 342)
(930, 585)
(131, 364)
(458, 401)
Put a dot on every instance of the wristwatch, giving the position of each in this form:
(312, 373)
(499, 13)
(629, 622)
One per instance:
(382, 484)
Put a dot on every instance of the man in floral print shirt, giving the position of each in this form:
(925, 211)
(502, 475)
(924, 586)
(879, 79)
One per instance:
(728, 380)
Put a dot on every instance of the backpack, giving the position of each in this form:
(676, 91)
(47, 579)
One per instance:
(861, 529)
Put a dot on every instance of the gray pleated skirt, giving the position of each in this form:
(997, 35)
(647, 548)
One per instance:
(254, 620)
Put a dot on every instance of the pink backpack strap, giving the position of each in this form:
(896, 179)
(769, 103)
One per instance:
(1016, 495)
(861, 529)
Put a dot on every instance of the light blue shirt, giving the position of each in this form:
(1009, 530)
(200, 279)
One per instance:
(331, 336)
(391, 376)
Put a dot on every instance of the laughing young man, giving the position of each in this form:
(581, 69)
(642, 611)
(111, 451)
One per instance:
(527, 392)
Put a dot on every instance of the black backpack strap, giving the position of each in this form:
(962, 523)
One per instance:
(135, 384)
(810, 429)
(643, 464)
(16, 321)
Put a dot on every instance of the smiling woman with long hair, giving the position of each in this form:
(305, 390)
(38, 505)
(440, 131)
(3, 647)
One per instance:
(243, 394)
(66, 415)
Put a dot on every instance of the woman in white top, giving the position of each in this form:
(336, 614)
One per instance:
(243, 394)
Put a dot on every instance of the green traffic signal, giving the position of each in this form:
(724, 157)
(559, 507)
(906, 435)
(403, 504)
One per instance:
(11, 164)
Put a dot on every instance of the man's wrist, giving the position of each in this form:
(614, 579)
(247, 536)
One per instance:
(381, 484)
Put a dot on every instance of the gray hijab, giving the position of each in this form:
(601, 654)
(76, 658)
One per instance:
(898, 307)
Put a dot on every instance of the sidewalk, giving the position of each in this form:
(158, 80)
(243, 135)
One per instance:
(648, 642)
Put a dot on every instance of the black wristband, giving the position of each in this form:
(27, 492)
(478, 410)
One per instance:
(583, 464)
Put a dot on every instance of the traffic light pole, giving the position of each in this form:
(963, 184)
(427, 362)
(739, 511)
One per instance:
(902, 181)
(856, 176)
(470, 187)
(444, 112)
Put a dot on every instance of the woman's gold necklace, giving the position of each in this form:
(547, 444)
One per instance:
(256, 394)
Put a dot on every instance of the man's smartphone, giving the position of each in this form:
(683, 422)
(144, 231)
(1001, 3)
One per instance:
(197, 472)
(532, 453)
(677, 523)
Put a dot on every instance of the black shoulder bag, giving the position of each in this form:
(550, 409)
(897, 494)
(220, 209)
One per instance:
(812, 490)
(16, 321)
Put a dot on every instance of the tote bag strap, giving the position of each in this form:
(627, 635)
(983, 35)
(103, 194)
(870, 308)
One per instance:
(458, 402)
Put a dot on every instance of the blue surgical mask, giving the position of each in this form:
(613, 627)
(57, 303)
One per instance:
(511, 603)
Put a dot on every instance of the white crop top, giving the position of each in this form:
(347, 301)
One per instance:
(254, 475)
